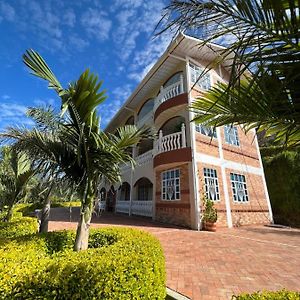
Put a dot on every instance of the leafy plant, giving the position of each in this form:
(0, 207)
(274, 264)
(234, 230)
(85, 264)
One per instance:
(210, 212)
(278, 295)
(263, 60)
(77, 150)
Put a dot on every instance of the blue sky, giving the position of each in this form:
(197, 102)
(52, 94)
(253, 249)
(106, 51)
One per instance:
(112, 38)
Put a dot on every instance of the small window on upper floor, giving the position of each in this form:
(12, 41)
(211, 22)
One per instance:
(206, 130)
(231, 135)
(147, 108)
(201, 80)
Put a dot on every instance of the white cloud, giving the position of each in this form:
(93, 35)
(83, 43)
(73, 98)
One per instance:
(135, 18)
(69, 18)
(7, 12)
(5, 97)
(79, 43)
(96, 23)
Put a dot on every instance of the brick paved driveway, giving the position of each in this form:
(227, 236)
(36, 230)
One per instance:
(204, 265)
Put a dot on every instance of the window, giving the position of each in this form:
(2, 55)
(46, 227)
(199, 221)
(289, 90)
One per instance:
(239, 188)
(211, 184)
(231, 135)
(146, 109)
(206, 130)
(170, 185)
(201, 80)
(144, 189)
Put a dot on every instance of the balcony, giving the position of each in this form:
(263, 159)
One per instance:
(171, 141)
(135, 207)
(169, 92)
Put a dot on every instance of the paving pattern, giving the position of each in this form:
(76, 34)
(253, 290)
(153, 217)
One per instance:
(205, 265)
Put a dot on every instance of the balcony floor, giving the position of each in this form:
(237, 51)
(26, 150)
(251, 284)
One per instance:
(205, 265)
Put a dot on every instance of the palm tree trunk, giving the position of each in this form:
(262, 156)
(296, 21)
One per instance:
(83, 228)
(46, 211)
(9, 213)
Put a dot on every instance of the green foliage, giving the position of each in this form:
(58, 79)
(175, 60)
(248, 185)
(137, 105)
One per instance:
(210, 212)
(28, 208)
(279, 295)
(122, 263)
(18, 226)
(262, 57)
(282, 175)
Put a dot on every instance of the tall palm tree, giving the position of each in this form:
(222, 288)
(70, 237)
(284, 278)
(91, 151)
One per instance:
(77, 150)
(263, 59)
(13, 180)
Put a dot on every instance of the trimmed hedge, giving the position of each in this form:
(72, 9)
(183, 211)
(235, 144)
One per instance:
(28, 208)
(279, 295)
(282, 174)
(121, 263)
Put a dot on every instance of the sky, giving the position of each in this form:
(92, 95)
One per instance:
(113, 38)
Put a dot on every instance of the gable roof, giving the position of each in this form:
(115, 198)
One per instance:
(180, 47)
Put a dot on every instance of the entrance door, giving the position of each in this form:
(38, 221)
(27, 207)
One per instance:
(111, 199)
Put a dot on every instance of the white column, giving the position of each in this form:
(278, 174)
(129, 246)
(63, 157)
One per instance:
(181, 84)
(160, 136)
(183, 135)
(224, 179)
(194, 167)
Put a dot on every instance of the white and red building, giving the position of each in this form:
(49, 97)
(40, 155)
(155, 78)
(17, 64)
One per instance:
(187, 160)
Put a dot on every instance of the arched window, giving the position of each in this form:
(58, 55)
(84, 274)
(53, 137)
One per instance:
(146, 108)
(125, 191)
(130, 121)
(144, 188)
(175, 78)
(172, 125)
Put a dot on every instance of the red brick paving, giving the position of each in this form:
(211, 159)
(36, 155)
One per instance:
(204, 265)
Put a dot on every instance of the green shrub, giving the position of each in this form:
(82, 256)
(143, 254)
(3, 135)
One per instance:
(19, 226)
(282, 175)
(279, 295)
(210, 212)
(122, 263)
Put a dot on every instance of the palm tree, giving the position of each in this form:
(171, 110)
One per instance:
(14, 179)
(263, 58)
(77, 150)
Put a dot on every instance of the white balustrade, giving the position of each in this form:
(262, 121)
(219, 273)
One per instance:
(171, 141)
(171, 91)
(141, 208)
(144, 158)
(122, 206)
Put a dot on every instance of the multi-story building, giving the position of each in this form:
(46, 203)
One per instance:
(187, 161)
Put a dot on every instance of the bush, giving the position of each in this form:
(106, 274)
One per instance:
(279, 295)
(282, 175)
(122, 263)
(19, 226)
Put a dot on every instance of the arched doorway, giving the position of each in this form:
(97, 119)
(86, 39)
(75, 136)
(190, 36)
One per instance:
(143, 190)
(111, 199)
(124, 192)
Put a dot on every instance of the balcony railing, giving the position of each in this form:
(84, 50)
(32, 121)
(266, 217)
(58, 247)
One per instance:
(169, 92)
(171, 141)
(139, 208)
(144, 158)
(122, 206)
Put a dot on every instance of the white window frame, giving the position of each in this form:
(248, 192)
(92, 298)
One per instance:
(211, 180)
(238, 183)
(168, 180)
(200, 128)
(195, 72)
(231, 135)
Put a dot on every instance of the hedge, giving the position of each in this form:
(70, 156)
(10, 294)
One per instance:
(279, 295)
(121, 263)
(282, 172)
